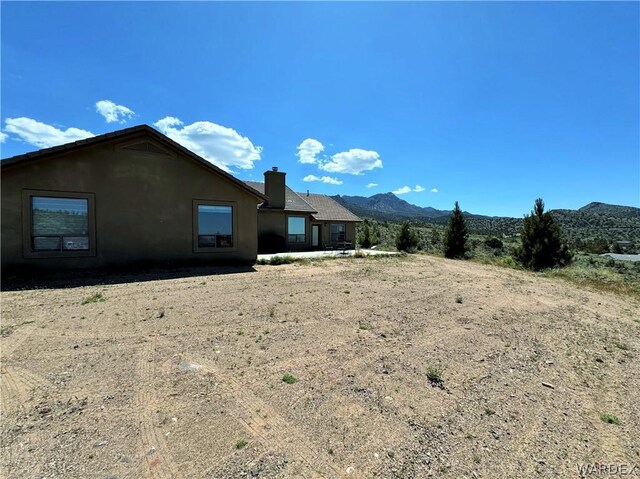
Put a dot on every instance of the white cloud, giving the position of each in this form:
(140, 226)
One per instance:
(434, 190)
(112, 112)
(3, 137)
(353, 162)
(408, 189)
(222, 146)
(402, 191)
(371, 185)
(324, 179)
(43, 135)
(309, 150)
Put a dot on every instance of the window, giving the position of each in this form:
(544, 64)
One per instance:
(215, 226)
(59, 224)
(297, 229)
(337, 233)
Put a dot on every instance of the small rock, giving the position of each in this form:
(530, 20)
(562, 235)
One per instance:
(254, 472)
(599, 360)
(100, 444)
(350, 470)
(548, 385)
(76, 346)
(151, 451)
(391, 454)
(160, 313)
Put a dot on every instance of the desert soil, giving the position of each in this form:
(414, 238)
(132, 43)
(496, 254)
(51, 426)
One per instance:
(168, 378)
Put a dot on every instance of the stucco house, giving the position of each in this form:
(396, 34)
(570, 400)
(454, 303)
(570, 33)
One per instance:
(129, 197)
(290, 221)
(135, 197)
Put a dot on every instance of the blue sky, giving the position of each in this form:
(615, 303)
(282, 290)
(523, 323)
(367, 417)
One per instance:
(491, 104)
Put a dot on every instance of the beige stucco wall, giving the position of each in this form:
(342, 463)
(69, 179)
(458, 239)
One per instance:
(143, 207)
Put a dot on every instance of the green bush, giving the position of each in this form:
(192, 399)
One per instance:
(493, 243)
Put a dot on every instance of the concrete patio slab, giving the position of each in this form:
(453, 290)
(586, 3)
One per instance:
(327, 254)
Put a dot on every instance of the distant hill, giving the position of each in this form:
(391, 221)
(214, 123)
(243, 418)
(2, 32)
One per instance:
(616, 211)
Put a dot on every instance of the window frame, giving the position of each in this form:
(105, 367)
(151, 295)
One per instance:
(234, 226)
(305, 234)
(344, 231)
(27, 224)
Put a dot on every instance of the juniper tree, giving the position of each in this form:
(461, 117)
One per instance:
(366, 239)
(455, 235)
(407, 239)
(542, 243)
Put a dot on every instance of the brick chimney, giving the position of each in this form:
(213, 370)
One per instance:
(274, 186)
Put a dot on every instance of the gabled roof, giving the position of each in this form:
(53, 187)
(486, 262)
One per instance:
(293, 200)
(135, 131)
(329, 209)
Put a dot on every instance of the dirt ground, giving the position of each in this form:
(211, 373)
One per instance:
(169, 378)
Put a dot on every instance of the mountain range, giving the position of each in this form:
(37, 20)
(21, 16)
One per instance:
(388, 207)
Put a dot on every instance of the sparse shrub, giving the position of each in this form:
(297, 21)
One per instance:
(542, 243)
(489, 412)
(493, 242)
(459, 299)
(455, 235)
(289, 378)
(610, 419)
(407, 240)
(278, 260)
(363, 325)
(241, 443)
(476, 458)
(97, 297)
(434, 375)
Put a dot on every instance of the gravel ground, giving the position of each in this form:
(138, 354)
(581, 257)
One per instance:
(182, 377)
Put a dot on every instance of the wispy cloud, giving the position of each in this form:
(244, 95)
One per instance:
(309, 150)
(324, 179)
(371, 185)
(222, 146)
(434, 190)
(407, 189)
(352, 162)
(113, 113)
(42, 135)
(3, 137)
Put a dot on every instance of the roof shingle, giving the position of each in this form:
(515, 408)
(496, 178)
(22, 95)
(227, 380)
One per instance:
(329, 209)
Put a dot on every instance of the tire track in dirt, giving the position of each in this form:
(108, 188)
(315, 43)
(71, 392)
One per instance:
(272, 429)
(157, 459)
(18, 385)
(13, 341)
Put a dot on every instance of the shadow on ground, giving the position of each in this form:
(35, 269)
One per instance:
(77, 279)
